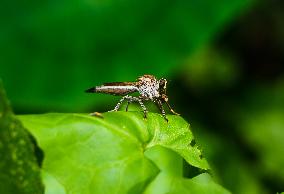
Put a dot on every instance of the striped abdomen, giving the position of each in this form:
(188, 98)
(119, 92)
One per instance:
(114, 88)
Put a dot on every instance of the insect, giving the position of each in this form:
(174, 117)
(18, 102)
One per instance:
(148, 87)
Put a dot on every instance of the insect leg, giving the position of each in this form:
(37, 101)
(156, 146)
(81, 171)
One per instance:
(160, 106)
(128, 102)
(171, 108)
(140, 101)
(119, 103)
(143, 107)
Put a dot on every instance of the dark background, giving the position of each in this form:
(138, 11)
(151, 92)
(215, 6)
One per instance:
(224, 60)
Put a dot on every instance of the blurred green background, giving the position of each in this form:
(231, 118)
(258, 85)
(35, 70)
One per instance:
(224, 60)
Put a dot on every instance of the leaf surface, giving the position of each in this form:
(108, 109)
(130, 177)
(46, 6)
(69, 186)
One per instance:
(19, 171)
(114, 154)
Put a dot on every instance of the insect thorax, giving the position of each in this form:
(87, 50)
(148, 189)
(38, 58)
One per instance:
(148, 87)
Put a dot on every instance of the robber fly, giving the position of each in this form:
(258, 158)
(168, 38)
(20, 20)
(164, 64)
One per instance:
(148, 87)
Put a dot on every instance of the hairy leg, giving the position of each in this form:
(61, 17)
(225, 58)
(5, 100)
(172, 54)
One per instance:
(131, 99)
(160, 106)
(127, 105)
(143, 106)
(120, 102)
(171, 108)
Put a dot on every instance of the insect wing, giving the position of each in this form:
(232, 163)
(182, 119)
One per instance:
(115, 88)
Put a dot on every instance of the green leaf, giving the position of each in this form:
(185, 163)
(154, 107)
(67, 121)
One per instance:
(170, 178)
(19, 171)
(69, 46)
(261, 124)
(116, 153)
(246, 177)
